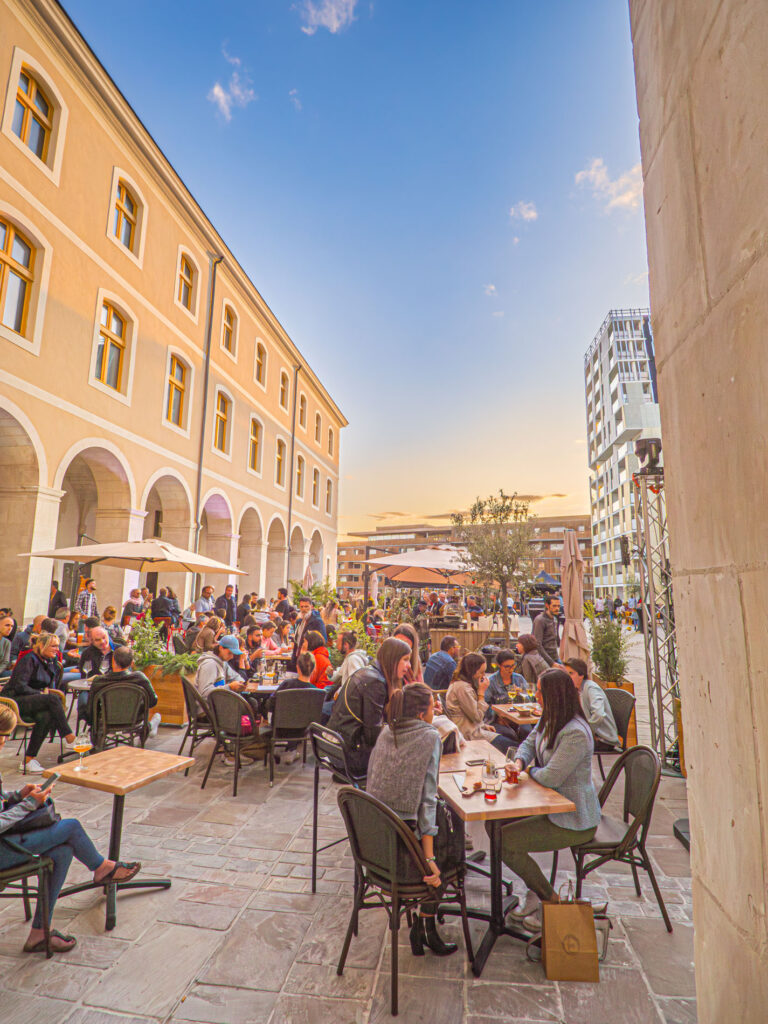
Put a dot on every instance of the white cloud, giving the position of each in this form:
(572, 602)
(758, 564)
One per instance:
(498, 312)
(334, 15)
(622, 193)
(516, 240)
(293, 95)
(524, 211)
(489, 289)
(237, 93)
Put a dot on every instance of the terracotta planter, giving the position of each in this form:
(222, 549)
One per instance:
(170, 696)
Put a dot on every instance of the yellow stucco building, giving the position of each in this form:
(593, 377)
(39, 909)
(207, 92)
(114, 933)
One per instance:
(146, 388)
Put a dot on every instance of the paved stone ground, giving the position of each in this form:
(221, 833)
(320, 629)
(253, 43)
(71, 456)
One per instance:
(239, 938)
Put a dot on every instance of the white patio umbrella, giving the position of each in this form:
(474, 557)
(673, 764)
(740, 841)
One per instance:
(375, 588)
(573, 643)
(152, 555)
(308, 579)
(437, 566)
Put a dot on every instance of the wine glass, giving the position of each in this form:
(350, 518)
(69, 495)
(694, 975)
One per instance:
(82, 746)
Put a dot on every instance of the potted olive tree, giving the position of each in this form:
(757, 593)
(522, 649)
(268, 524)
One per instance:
(164, 669)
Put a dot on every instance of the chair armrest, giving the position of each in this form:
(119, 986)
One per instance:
(60, 694)
(11, 703)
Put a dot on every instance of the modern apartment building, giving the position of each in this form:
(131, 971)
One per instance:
(622, 406)
(547, 546)
(146, 388)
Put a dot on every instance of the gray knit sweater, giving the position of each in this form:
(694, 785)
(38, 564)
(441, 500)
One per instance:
(402, 771)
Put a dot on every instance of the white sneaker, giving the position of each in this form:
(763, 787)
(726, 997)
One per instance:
(530, 905)
(290, 757)
(154, 724)
(32, 767)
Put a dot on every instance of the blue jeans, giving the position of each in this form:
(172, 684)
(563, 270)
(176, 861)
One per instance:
(61, 842)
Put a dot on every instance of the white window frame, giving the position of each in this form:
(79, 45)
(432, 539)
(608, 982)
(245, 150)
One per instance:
(284, 485)
(287, 406)
(185, 428)
(219, 389)
(194, 312)
(315, 470)
(329, 484)
(303, 398)
(261, 383)
(132, 331)
(235, 334)
(136, 254)
(300, 493)
(258, 472)
(51, 167)
(32, 340)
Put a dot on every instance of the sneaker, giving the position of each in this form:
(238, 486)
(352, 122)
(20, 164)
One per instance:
(531, 904)
(291, 757)
(532, 922)
(32, 767)
(154, 724)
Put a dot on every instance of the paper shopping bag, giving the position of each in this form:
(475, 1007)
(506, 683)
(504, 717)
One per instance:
(569, 942)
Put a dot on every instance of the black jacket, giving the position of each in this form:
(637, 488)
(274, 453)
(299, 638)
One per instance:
(31, 675)
(57, 601)
(91, 659)
(226, 609)
(161, 608)
(358, 714)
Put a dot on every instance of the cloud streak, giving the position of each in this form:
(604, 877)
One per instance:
(295, 99)
(489, 289)
(334, 15)
(238, 92)
(622, 193)
(524, 211)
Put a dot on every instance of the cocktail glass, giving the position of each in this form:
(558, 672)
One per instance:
(81, 747)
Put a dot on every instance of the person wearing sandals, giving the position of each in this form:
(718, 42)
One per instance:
(402, 773)
(557, 754)
(61, 842)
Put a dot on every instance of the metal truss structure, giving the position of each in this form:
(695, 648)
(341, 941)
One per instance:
(658, 614)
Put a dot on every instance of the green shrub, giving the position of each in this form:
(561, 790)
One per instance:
(609, 648)
(149, 649)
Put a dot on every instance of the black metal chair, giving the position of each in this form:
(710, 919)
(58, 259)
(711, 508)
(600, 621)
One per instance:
(623, 839)
(227, 710)
(622, 703)
(390, 867)
(16, 879)
(295, 710)
(329, 753)
(119, 714)
(199, 720)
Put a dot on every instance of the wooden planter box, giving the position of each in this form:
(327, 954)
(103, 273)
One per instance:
(630, 688)
(170, 696)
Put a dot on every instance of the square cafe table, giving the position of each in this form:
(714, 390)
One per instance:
(521, 800)
(119, 771)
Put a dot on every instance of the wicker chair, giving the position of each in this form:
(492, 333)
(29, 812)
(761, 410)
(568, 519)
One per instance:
(199, 718)
(16, 881)
(119, 715)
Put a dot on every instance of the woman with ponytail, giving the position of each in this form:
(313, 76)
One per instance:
(402, 773)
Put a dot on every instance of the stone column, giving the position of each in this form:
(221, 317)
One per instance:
(702, 81)
(222, 547)
(116, 524)
(28, 518)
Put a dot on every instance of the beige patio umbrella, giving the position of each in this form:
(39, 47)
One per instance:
(438, 566)
(573, 643)
(152, 555)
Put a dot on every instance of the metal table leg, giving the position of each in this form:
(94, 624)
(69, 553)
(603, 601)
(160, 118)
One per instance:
(499, 907)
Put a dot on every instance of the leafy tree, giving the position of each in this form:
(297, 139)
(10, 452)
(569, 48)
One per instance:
(321, 592)
(496, 533)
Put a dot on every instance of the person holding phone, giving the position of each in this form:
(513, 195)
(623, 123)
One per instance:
(61, 842)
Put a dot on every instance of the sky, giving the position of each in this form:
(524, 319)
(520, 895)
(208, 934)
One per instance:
(439, 199)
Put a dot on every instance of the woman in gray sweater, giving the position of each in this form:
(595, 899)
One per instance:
(557, 754)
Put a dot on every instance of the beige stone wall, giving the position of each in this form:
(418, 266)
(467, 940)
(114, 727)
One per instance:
(82, 457)
(702, 85)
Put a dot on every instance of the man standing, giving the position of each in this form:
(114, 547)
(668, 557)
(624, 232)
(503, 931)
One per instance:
(204, 603)
(86, 601)
(594, 704)
(308, 620)
(438, 672)
(56, 600)
(545, 629)
(283, 605)
(161, 607)
(225, 606)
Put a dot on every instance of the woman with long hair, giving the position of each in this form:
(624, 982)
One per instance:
(405, 631)
(533, 663)
(282, 636)
(402, 773)
(358, 714)
(465, 706)
(207, 637)
(314, 644)
(557, 754)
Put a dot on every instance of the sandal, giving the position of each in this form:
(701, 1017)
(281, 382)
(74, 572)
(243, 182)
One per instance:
(134, 867)
(39, 947)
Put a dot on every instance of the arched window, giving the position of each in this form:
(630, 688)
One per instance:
(32, 115)
(229, 330)
(17, 264)
(300, 477)
(330, 440)
(221, 427)
(280, 464)
(303, 412)
(254, 447)
(110, 353)
(316, 488)
(318, 427)
(284, 390)
(125, 216)
(175, 410)
(261, 363)
(329, 496)
(186, 282)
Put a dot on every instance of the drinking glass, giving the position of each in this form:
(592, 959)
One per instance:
(82, 746)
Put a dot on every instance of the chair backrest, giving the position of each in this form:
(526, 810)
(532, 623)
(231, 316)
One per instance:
(20, 723)
(227, 710)
(641, 769)
(196, 704)
(382, 844)
(329, 751)
(297, 709)
(119, 706)
(621, 703)
(179, 644)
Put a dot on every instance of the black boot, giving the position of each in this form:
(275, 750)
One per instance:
(433, 940)
(417, 935)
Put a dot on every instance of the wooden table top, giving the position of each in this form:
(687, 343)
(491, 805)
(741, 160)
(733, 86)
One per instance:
(121, 769)
(473, 750)
(518, 714)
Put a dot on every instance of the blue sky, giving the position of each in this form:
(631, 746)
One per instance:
(440, 200)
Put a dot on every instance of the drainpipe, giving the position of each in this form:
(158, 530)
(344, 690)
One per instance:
(215, 261)
(296, 369)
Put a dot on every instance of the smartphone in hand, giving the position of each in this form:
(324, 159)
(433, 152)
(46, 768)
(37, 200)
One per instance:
(50, 781)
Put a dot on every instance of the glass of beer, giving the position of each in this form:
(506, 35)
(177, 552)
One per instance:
(82, 746)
